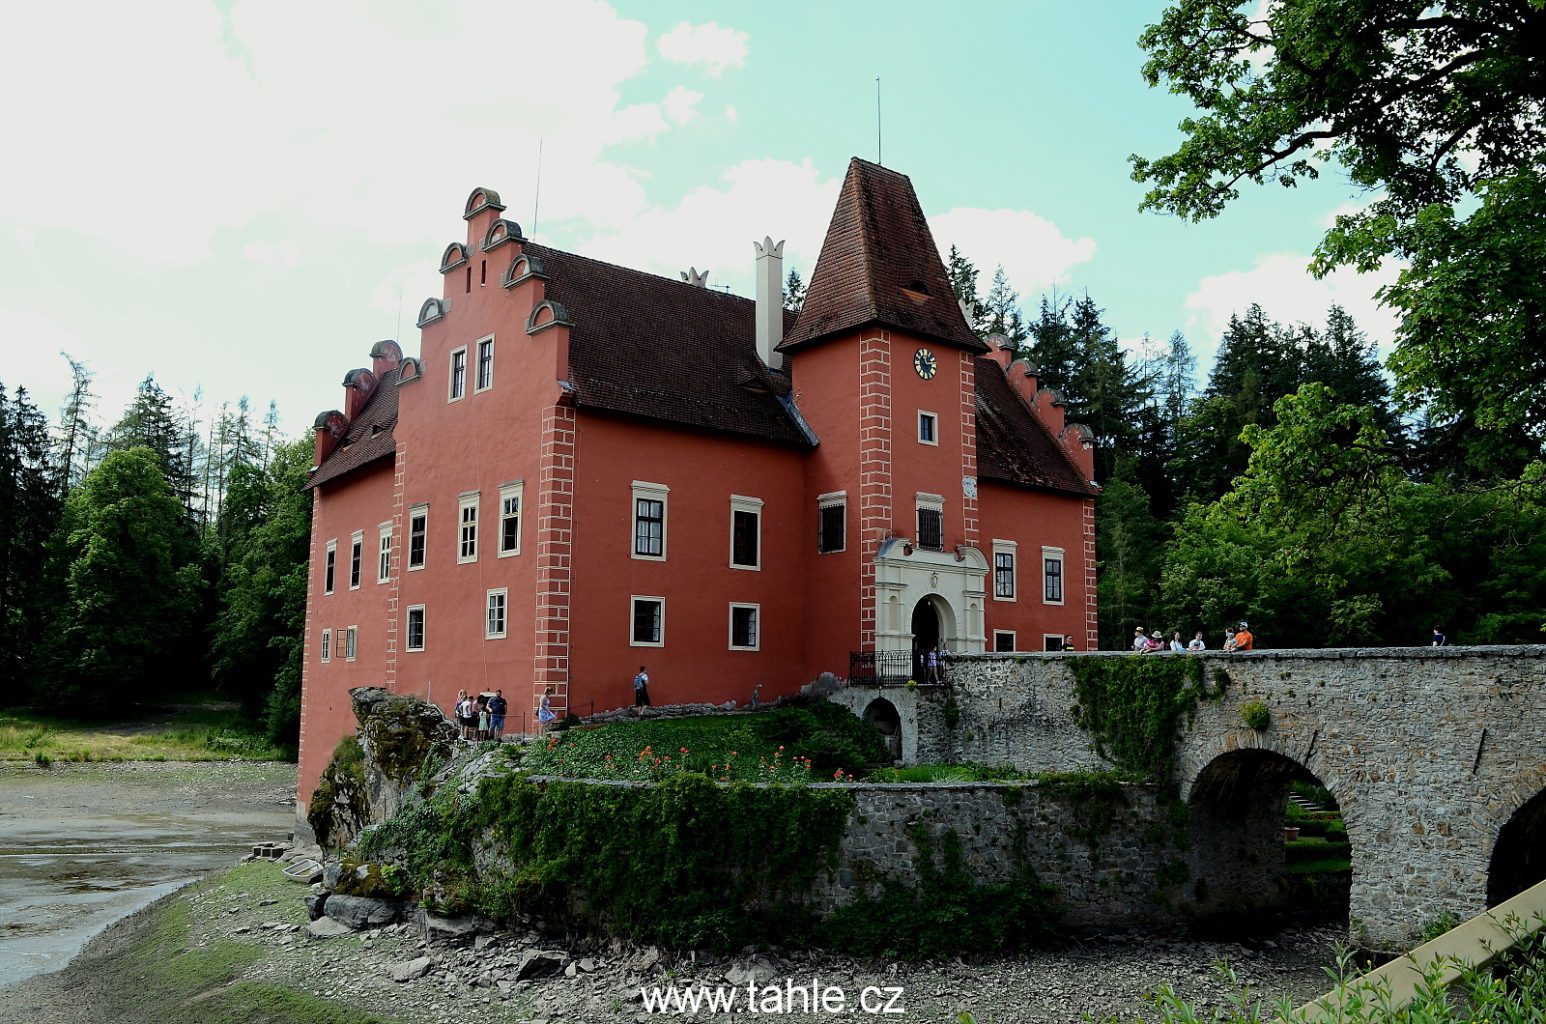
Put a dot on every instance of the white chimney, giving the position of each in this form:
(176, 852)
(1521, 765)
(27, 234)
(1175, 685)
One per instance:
(770, 301)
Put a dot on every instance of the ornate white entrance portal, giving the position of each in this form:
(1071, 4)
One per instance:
(938, 592)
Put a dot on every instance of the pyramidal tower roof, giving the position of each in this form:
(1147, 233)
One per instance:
(879, 265)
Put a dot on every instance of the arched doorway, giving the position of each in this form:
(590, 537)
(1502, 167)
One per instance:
(883, 715)
(1269, 846)
(1519, 855)
(926, 636)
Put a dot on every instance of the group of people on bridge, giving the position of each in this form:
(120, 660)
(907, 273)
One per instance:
(1236, 638)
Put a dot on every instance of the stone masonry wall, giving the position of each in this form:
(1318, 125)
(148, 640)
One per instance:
(1428, 751)
(1106, 854)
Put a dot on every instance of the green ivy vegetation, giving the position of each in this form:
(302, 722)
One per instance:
(949, 911)
(1132, 707)
(1255, 714)
(685, 862)
(342, 783)
(808, 740)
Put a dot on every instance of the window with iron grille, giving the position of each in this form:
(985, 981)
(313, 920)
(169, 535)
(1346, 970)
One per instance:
(1053, 573)
(1004, 574)
(931, 529)
(832, 522)
(649, 527)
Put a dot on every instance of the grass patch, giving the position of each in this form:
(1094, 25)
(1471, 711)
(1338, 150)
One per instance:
(186, 732)
(809, 741)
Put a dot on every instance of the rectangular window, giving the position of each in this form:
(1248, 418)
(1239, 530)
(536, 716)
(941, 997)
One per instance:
(1003, 570)
(327, 646)
(743, 626)
(1051, 642)
(458, 375)
(649, 520)
(1003, 641)
(332, 565)
(416, 627)
(745, 532)
(418, 536)
(928, 428)
(510, 519)
(648, 616)
(384, 562)
(931, 529)
(495, 627)
(356, 551)
(485, 365)
(830, 522)
(351, 642)
(1052, 575)
(467, 544)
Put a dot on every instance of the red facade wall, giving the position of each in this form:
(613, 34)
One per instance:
(1035, 519)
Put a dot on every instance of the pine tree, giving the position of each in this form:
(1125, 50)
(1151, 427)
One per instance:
(1053, 350)
(963, 281)
(1002, 310)
(150, 422)
(76, 433)
(29, 511)
(794, 291)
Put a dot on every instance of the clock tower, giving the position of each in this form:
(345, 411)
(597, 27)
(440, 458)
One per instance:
(883, 367)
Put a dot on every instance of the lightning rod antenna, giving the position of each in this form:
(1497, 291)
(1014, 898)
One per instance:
(536, 200)
(878, 157)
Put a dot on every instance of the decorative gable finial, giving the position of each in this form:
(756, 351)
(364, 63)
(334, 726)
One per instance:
(697, 280)
(968, 311)
(767, 247)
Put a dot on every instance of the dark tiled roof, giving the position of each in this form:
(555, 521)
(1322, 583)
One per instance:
(1013, 446)
(368, 438)
(645, 345)
(879, 265)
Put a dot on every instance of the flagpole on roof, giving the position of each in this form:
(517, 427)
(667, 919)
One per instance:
(878, 158)
(536, 199)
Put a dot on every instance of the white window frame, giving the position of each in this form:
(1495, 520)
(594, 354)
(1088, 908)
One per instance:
(452, 394)
(351, 643)
(503, 593)
(633, 600)
(925, 501)
(752, 506)
(1052, 636)
(1048, 554)
(516, 490)
(408, 628)
(467, 501)
(1003, 632)
(477, 364)
(384, 554)
(756, 610)
(356, 559)
(327, 646)
(330, 567)
(934, 417)
(416, 512)
(824, 502)
(1010, 548)
(643, 489)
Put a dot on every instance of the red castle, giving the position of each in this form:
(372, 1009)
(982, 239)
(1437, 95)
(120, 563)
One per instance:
(590, 468)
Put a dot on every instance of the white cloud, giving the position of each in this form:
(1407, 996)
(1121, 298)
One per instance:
(1034, 252)
(709, 45)
(681, 104)
(1281, 284)
(730, 113)
(713, 226)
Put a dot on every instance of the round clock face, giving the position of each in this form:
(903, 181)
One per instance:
(925, 363)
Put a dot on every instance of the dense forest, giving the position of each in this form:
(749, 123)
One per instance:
(1302, 485)
(160, 555)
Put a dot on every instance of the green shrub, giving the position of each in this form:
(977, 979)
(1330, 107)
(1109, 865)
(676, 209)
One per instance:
(1132, 707)
(1256, 715)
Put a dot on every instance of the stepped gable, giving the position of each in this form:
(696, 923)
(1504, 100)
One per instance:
(879, 265)
(1013, 446)
(368, 438)
(645, 345)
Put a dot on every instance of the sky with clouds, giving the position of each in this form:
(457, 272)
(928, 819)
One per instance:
(241, 197)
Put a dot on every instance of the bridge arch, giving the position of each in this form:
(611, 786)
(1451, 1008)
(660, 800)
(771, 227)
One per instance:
(885, 717)
(1249, 871)
(1518, 858)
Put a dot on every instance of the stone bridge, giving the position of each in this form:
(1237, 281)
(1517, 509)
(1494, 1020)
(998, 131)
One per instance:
(1436, 757)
